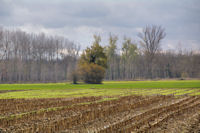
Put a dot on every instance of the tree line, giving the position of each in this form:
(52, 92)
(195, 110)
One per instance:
(26, 57)
(146, 60)
(35, 58)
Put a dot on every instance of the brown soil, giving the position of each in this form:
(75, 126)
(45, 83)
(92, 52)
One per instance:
(125, 114)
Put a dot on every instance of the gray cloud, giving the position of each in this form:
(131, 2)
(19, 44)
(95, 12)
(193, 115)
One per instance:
(78, 20)
(5, 11)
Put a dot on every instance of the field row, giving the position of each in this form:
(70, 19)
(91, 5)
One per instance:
(13, 106)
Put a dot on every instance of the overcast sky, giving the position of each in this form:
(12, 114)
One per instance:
(78, 20)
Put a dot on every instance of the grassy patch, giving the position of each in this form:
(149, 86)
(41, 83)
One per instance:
(108, 88)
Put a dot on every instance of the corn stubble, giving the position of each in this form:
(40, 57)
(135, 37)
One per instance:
(93, 114)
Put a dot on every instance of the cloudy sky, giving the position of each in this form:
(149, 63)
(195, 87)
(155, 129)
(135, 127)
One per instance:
(78, 20)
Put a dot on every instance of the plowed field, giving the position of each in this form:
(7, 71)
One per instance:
(101, 114)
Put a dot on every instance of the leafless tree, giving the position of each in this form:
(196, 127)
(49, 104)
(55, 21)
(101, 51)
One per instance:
(151, 37)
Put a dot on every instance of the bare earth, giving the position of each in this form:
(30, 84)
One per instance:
(167, 114)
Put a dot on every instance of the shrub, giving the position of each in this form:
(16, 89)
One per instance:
(92, 73)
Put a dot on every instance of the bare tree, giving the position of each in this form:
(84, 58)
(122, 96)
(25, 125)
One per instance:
(151, 37)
